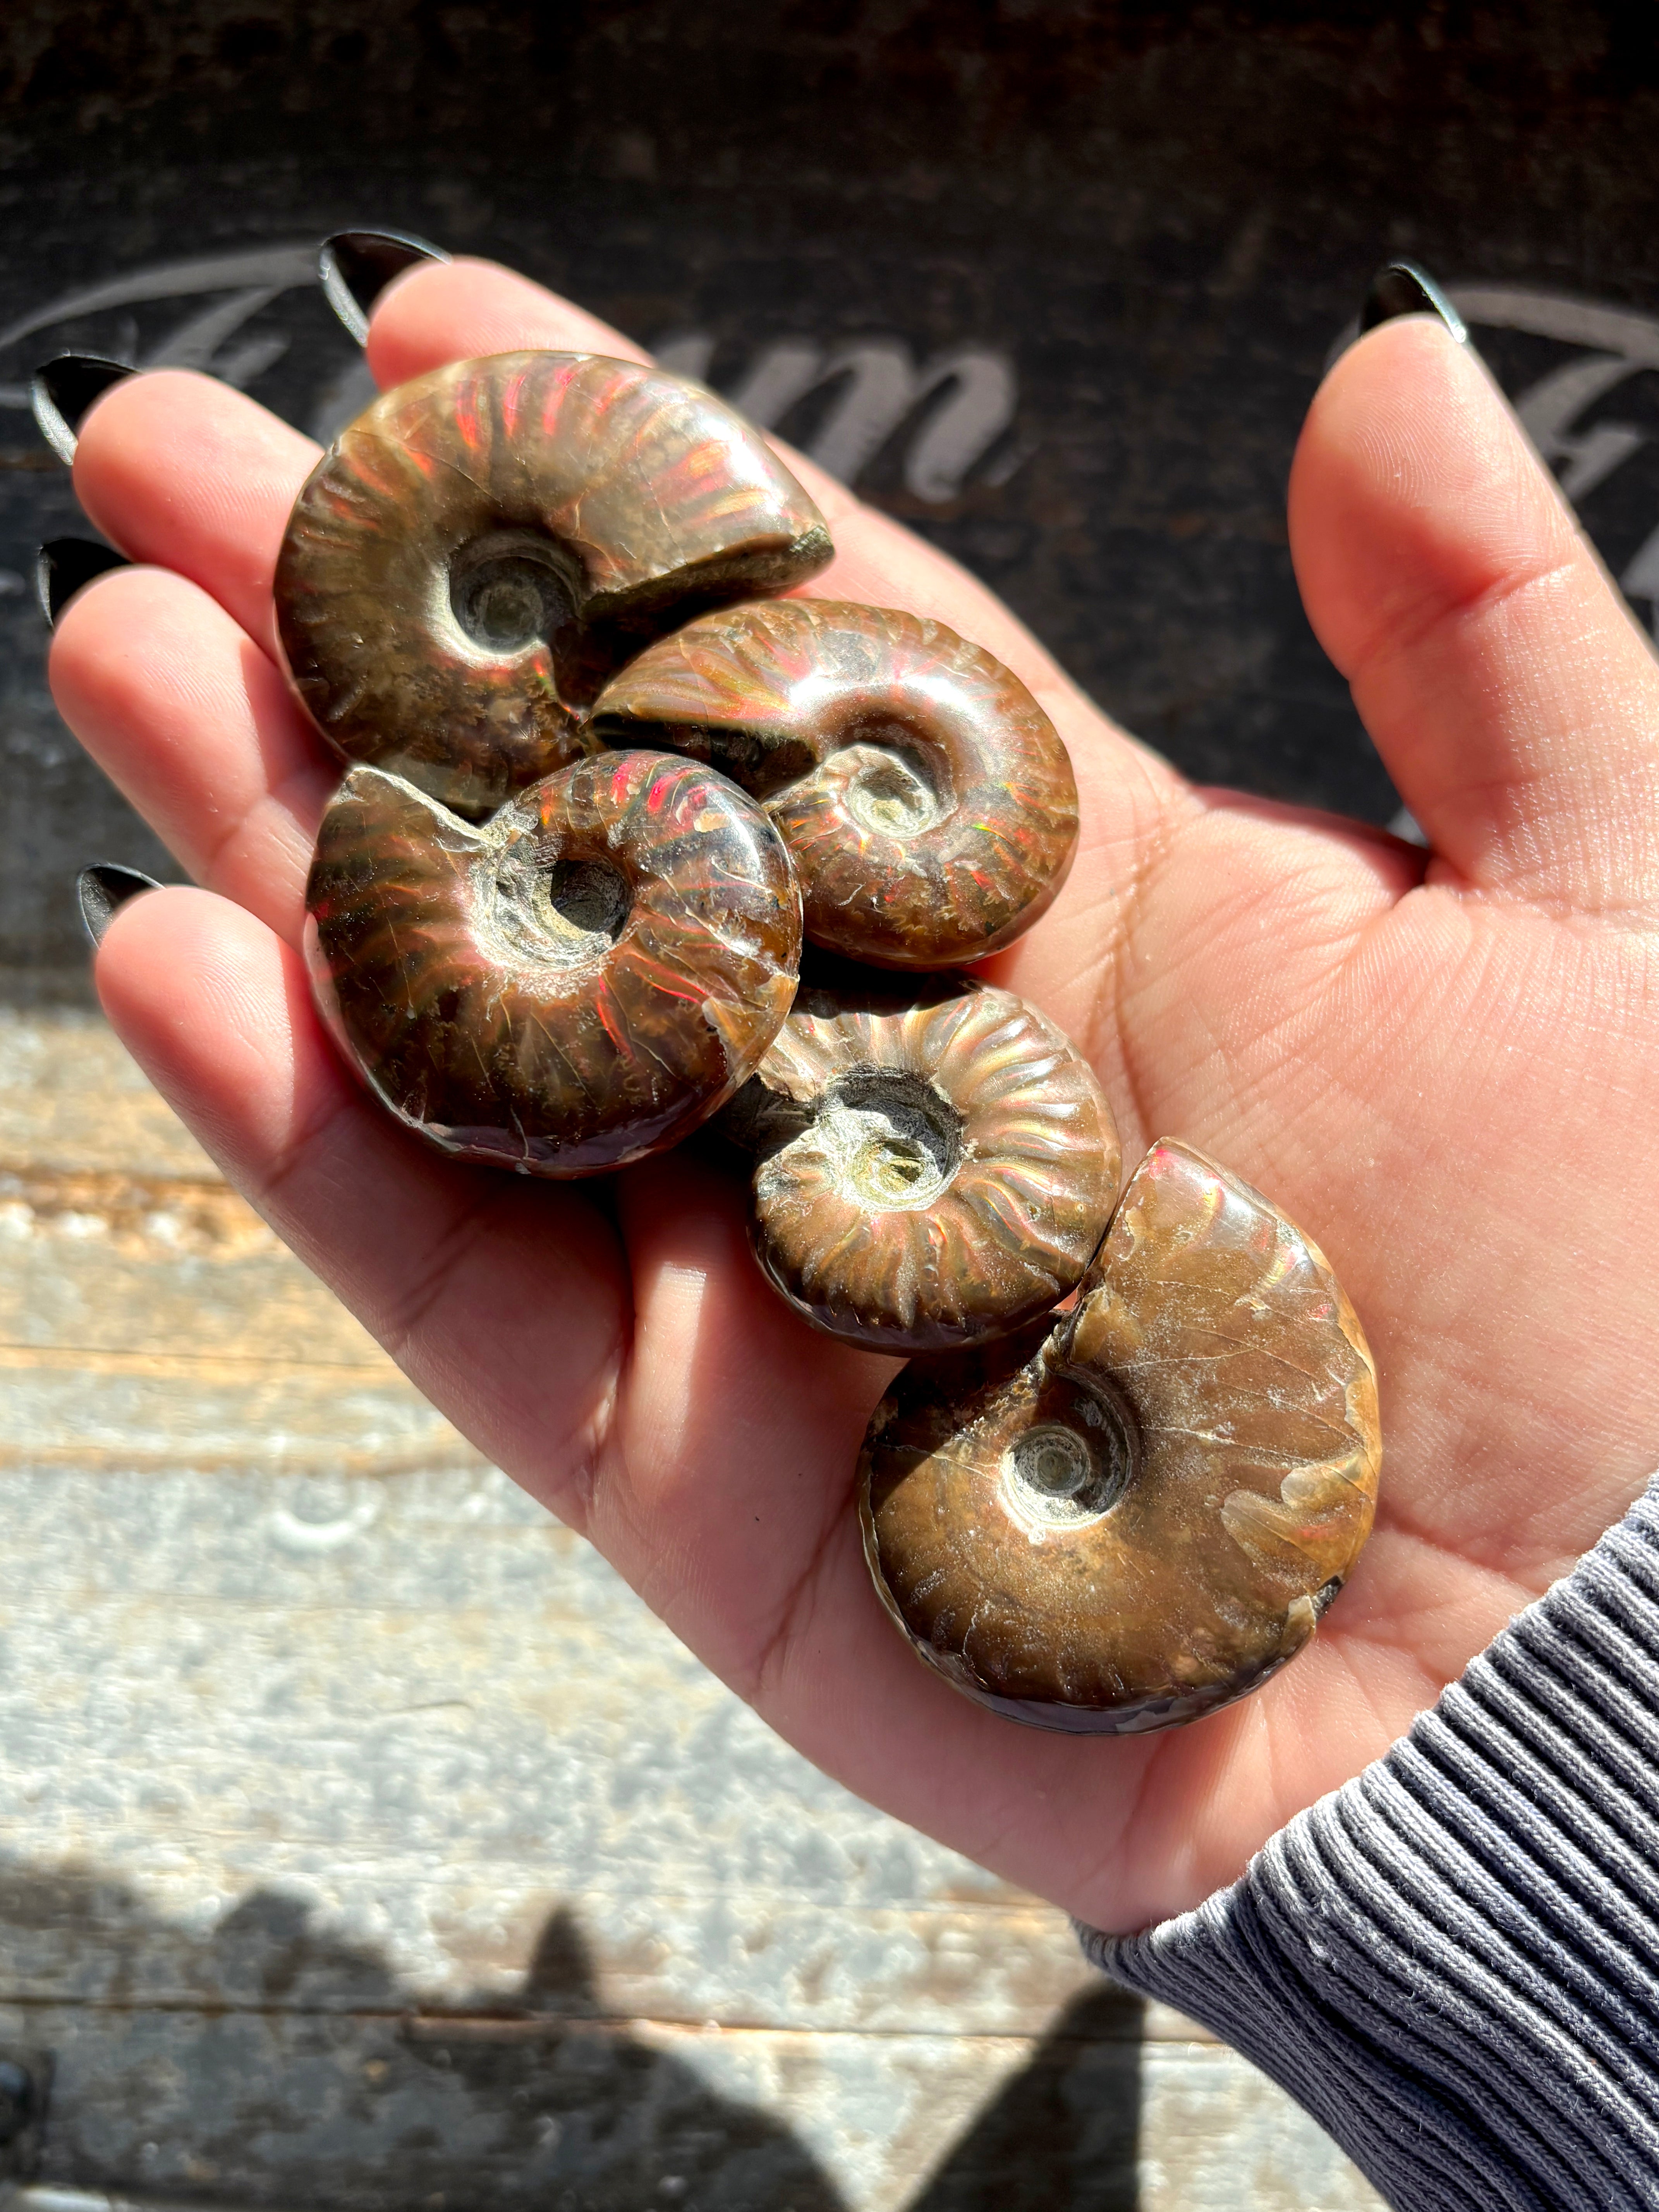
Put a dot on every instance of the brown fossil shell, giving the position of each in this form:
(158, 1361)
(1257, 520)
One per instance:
(926, 799)
(936, 1162)
(1143, 1513)
(484, 545)
(574, 984)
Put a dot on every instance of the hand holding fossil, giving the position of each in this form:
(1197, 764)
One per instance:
(1447, 1067)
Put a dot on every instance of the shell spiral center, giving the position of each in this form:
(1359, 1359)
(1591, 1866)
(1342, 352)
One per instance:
(506, 591)
(564, 914)
(886, 795)
(1055, 1475)
(891, 1140)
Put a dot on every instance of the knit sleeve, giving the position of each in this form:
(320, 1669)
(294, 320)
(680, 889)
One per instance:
(1453, 1962)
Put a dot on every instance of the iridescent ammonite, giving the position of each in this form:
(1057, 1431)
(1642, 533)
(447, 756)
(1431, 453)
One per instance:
(573, 984)
(936, 1163)
(926, 799)
(1142, 1514)
(484, 545)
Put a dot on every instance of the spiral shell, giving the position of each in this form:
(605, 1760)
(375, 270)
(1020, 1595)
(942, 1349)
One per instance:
(1142, 1515)
(484, 545)
(926, 799)
(936, 1163)
(574, 984)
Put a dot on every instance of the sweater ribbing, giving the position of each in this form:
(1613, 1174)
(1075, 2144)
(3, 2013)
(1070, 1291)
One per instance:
(1453, 1962)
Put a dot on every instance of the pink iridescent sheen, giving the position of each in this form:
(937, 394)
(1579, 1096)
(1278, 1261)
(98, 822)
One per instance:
(926, 799)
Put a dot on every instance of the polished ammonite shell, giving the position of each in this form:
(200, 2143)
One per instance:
(484, 545)
(1142, 1513)
(926, 799)
(935, 1162)
(573, 984)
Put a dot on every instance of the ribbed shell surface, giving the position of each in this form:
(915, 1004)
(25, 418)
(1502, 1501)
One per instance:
(649, 498)
(451, 987)
(926, 799)
(1022, 1210)
(1210, 1335)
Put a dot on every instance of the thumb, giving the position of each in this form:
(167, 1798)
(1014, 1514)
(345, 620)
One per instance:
(1501, 677)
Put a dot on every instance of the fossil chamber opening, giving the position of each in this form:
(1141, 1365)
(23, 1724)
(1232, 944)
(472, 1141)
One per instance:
(1063, 1472)
(887, 792)
(892, 1140)
(507, 591)
(562, 914)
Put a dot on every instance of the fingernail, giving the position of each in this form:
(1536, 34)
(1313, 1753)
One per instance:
(357, 266)
(1400, 288)
(61, 393)
(103, 887)
(63, 565)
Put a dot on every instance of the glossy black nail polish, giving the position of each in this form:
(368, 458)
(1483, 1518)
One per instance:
(63, 565)
(61, 393)
(1400, 288)
(357, 266)
(102, 888)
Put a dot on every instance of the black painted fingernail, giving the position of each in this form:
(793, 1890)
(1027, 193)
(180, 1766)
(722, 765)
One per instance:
(1400, 288)
(102, 888)
(61, 393)
(357, 266)
(63, 565)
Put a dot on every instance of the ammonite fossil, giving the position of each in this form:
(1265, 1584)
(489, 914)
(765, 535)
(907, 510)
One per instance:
(936, 1163)
(926, 799)
(484, 545)
(576, 983)
(1143, 1513)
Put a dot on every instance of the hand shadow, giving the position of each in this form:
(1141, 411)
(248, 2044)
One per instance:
(268, 2062)
(1063, 2135)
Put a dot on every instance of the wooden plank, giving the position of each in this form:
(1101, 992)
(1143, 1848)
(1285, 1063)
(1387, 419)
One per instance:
(363, 1839)
(431, 1718)
(146, 1313)
(355, 2109)
(72, 1099)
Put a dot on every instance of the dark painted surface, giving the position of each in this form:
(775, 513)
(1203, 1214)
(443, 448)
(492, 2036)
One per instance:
(1157, 219)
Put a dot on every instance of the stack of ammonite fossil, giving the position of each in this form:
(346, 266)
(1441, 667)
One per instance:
(604, 782)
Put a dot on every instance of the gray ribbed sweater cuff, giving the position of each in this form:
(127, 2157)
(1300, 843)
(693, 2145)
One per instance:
(1453, 1962)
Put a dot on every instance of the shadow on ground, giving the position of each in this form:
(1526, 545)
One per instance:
(1064, 2134)
(268, 2062)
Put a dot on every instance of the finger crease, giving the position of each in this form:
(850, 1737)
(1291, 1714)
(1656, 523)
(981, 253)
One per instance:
(444, 1256)
(1409, 635)
(772, 1664)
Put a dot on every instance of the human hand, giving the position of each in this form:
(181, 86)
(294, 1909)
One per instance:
(1446, 1069)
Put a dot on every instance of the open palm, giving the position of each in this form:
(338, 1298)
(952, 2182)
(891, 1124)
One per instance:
(1446, 1069)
